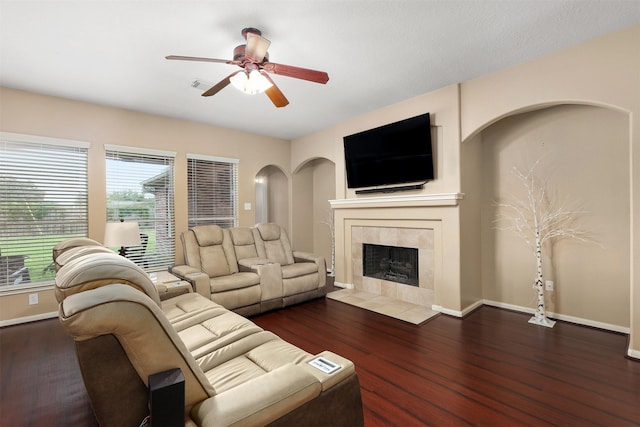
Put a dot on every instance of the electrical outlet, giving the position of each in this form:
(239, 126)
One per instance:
(33, 299)
(548, 285)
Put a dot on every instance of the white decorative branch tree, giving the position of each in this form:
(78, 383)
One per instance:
(538, 219)
(332, 231)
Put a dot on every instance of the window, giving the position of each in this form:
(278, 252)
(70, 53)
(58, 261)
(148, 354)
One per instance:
(140, 188)
(212, 191)
(43, 200)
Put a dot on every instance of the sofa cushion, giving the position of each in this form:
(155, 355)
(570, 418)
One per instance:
(243, 243)
(73, 243)
(99, 269)
(234, 281)
(269, 231)
(214, 261)
(273, 243)
(263, 400)
(245, 301)
(247, 358)
(208, 235)
(208, 330)
(74, 252)
(298, 269)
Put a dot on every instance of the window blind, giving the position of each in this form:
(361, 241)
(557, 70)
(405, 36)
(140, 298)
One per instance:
(212, 191)
(140, 188)
(43, 200)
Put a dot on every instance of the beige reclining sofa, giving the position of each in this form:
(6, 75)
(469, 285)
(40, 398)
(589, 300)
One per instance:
(235, 373)
(250, 270)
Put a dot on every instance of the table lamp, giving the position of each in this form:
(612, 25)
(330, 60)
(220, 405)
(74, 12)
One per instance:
(121, 234)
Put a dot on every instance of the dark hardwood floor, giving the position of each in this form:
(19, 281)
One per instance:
(490, 369)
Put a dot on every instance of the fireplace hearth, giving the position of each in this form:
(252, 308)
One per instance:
(392, 263)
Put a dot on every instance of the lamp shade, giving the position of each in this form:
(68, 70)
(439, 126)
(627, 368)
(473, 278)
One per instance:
(122, 233)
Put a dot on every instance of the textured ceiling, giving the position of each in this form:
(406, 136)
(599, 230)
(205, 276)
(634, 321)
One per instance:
(376, 52)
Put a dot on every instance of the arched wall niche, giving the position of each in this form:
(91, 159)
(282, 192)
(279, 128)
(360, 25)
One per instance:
(583, 149)
(272, 196)
(540, 106)
(314, 185)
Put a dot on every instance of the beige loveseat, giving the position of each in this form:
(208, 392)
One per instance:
(235, 373)
(250, 270)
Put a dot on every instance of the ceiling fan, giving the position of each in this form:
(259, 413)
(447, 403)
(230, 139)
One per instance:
(253, 78)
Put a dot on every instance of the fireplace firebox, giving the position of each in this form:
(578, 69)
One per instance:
(393, 263)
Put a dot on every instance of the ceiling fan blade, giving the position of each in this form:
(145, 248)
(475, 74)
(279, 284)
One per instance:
(274, 93)
(297, 72)
(197, 58)
(256, 47)
(221, 84)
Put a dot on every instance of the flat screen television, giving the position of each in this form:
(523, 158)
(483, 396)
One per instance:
(397, 153)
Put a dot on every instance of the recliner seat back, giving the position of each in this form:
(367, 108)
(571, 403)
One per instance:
(244, 243)
(122, 337)
(95, 270)
(208, 248)
(273, 243)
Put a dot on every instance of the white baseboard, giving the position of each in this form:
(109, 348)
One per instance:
(557, 316)
(528, 310)
(472, 307)
(441, 309)
(343, 285)
(457, 313)
(635, 354)
(27, 319)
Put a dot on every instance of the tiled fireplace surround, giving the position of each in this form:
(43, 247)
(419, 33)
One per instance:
(425, 222)
(421, 239)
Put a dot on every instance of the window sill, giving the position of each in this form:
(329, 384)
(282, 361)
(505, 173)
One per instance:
(26, 288)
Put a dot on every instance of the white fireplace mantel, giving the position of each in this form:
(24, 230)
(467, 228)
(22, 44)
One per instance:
(440, 199)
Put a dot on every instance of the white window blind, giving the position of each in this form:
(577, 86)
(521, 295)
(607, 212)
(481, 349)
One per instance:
(140, 188)
(43, 200)
(212, 191)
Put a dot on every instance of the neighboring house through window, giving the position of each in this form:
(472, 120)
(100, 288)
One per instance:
(212, 190)
(140, 188)
(43, 201)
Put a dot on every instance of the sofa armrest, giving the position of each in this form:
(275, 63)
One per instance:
(299, 256)
(198, 279)
(251, 264)
(260, 400)
(309, 257)
(328, 380)
(270, 276)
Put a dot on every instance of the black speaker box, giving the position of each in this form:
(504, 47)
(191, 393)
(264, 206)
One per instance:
(166, 398)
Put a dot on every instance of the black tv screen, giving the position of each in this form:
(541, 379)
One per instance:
(397, 153)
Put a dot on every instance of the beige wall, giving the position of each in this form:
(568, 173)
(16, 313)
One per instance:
(313, 187)
(278, 197)
(471, 167)
(324, 189)
(302, 224)
(583, 154)
(34, 114)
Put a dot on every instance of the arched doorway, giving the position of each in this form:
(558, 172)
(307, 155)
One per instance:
(272, 196)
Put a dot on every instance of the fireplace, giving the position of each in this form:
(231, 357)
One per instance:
(392, 263)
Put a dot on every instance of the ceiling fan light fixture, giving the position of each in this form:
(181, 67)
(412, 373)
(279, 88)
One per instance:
(250, 84)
